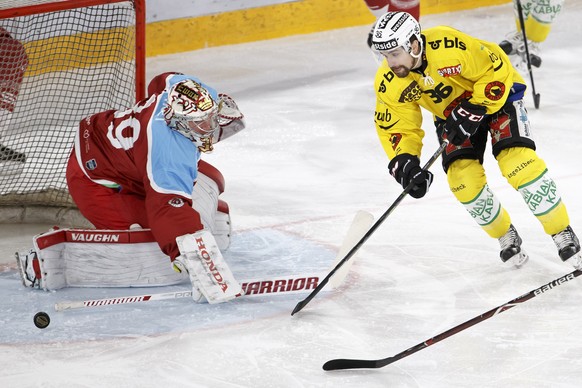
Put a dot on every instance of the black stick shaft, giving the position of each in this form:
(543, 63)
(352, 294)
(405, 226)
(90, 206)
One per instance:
(536, 96)
(343, 363)
(380, 220)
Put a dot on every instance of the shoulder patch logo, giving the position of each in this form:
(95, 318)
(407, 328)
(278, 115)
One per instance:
(494, 90)
(176, 202)
(395, 140)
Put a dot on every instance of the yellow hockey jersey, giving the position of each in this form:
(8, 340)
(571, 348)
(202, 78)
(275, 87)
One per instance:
(455, 66)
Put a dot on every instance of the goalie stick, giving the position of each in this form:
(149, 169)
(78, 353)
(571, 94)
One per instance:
(255, 287)
(356, 364)
(367, 235)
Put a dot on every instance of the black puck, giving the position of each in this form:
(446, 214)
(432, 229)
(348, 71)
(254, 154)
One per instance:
(41, 320)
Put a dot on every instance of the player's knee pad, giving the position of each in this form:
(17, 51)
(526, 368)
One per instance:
(520, 166)
(466, 179)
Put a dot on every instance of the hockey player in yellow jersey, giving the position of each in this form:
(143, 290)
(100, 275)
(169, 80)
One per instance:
(474, 94)
(538, 17)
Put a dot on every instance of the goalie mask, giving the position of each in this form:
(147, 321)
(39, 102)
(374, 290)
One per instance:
(393, 30)
(191, 111)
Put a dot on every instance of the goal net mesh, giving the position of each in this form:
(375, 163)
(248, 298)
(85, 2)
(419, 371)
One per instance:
(77, 61)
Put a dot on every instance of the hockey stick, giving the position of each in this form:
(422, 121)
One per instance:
(276, 285)
(322, 284)
(253, 288)
(536, 96)
(354, 364)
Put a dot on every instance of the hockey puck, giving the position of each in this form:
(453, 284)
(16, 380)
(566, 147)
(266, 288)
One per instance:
(41, 320)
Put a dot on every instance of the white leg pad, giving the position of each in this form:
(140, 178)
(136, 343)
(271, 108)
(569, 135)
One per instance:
(208, 271)
(222, 230)
(100, 258)
(208, 187)
(205, 199)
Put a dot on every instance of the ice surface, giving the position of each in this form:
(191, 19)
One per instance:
(294, 179)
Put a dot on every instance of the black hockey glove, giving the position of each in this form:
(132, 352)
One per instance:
(463, 121)
(406, 168)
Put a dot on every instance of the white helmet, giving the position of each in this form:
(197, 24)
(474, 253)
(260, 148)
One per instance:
(191, 110)
(395, 29)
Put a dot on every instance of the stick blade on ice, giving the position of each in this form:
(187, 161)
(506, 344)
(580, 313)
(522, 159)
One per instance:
(360, 225)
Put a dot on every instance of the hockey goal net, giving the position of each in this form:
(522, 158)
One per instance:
(60, 61)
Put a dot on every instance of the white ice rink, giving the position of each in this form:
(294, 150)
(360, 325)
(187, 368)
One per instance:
(307, 163)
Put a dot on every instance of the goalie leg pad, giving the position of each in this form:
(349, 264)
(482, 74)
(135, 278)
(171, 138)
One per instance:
(208, 271)
(95, 258)
(222, 226)
(29, 268)
(214, 212)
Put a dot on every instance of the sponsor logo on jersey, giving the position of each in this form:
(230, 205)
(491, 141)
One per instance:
(176, 202)
(494, 90)
(388, 77)
(94, 237)
(448, 43)
(385, 116)
(449, 71)
(411, 93)
(280, 285)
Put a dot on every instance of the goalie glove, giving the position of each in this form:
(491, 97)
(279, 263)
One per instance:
(463, 121)
(209, 274)
(230, 118)
(405, 168)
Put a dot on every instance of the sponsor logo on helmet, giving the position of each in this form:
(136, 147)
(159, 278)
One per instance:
(384, 21)
(391, 44)
(399, 22)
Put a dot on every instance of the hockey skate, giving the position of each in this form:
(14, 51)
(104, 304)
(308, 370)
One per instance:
(514, 46)
(9, 155)
(11, 161)
(29, 268)
(511, 251)
(568, 247)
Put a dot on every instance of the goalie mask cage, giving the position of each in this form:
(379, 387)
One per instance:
(80, 57)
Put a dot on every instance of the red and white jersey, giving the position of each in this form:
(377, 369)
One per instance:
(135, 152)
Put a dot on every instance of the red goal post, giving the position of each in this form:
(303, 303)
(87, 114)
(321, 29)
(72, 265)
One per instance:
(60, 61)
